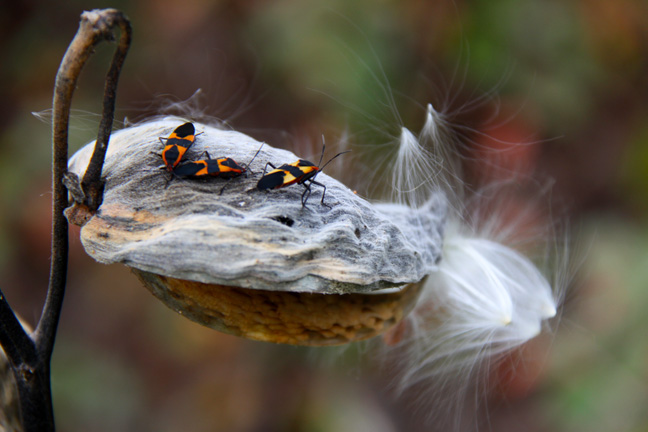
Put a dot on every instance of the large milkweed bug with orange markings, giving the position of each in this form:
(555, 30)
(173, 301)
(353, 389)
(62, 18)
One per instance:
(223, 167)
(177, 144)
(301, 172)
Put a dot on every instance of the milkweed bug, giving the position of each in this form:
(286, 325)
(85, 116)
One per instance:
(177, 144)
(301, 172)
(223, 167)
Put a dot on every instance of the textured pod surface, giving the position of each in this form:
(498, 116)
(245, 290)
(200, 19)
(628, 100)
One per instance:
(244, 237)
(296, 318)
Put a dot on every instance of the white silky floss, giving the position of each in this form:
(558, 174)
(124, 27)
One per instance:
(486, 298)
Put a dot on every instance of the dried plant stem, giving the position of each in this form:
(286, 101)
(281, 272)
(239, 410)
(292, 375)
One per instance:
(30, 355)
(92, 183)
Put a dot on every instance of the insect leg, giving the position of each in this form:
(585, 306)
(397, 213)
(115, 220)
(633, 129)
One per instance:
(323, 192)
(227, 182)
(266, 168)
(306, 194)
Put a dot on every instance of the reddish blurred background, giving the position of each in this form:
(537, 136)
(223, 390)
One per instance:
(569, 77)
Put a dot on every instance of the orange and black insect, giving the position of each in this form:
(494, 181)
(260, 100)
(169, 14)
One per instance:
(301, 172)
(177, 144)
(224, 167)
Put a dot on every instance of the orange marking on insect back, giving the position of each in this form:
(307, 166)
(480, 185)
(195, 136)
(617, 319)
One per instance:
(204, 170)
(188, 137)
(293, 173)
(289, 178)
(181, 152)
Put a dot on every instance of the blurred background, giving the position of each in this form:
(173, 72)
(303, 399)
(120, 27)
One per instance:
(568, 79)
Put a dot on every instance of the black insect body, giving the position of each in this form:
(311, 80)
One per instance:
(177, 144)
(302, 172)
(223, 167)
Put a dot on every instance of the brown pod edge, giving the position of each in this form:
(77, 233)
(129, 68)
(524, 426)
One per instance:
(295, 318)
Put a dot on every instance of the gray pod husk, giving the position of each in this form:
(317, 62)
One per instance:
(258, 240)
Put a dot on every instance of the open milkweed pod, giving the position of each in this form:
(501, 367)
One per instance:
(252, 263)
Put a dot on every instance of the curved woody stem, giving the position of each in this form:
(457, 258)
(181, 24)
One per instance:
(30, 355)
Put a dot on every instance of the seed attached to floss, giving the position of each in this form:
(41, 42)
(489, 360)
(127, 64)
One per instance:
(229, 261)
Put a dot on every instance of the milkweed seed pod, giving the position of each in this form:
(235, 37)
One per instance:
(252, 263)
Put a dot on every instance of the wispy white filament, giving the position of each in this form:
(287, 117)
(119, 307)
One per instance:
(414, 171)
(485, 299)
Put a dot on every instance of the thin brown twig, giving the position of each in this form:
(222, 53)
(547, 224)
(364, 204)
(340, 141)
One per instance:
(18, 346)
(92, 184)
(30, 355)
(95, 27)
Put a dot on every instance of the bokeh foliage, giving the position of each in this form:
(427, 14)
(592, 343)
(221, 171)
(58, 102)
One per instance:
(570, 76)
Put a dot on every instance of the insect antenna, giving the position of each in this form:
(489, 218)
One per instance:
(247, 166)
(323, 148)
(329, 161)
(319, 164)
